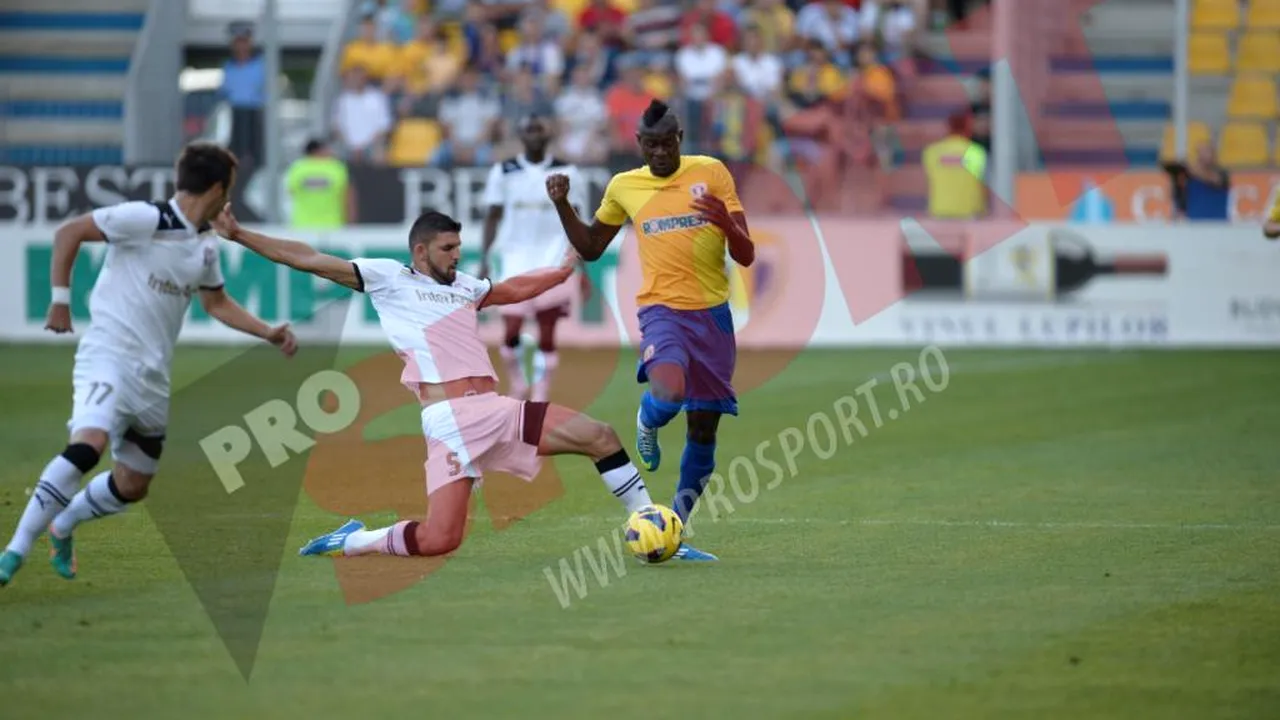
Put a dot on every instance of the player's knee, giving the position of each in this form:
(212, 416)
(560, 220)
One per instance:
(93, 437)
(701, 434)
(84, 456)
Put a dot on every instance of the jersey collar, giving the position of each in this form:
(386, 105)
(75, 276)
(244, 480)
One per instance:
(524, 162)
(177, 211)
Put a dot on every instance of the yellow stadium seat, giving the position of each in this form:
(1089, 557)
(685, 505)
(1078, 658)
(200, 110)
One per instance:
(1244, 145)
(571, 9)
(1209, 54)
(1258, 52)
(1264, 14)
(1252, 96)
(1197, 133)
(413, 142)
(1215, 14)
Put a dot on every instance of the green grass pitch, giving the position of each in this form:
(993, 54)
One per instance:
(1052, 535)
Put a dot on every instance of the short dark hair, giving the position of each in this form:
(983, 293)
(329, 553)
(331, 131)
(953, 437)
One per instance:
(430, 224)
(314, 145)
(203, 165)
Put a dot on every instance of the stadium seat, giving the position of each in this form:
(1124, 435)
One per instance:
(1244, 145)
(1252, 96)
(1209, 53)
(1215, 15)
(413, 141)
(1259, 52)
(508, 40)
(1264, 14)
(1197, 132)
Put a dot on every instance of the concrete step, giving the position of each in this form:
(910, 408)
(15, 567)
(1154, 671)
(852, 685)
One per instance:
(60, 87)
(77, 6)
(96, 43)
(43, 132)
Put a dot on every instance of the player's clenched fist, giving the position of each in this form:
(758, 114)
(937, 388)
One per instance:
(558, 188)
(59, 318)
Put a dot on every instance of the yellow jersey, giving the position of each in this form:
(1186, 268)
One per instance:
(682, 257)
(1274, 215)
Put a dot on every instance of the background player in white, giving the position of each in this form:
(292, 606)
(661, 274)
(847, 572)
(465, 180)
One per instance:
(529, 236)
(158, 256)
(428, 311)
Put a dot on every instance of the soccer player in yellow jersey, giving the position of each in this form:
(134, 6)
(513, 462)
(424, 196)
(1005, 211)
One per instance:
(685, 211)
(1271, 228)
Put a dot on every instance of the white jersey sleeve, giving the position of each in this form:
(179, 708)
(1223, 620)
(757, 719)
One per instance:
(376, 274)
(212, 278)
(130, 223)
(476, 288)
(495, 188)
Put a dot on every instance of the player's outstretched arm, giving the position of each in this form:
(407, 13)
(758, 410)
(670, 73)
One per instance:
(531, 284)
(297, 255)
(589, 240)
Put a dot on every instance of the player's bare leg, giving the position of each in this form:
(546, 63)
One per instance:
(564, 431)
(441, 533)
(512, 358)
(58, 483)
(659, 406)
(547, 360)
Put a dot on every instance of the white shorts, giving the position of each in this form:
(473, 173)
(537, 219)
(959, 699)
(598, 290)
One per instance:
(470, 435)
(112, 394)
(560, 296)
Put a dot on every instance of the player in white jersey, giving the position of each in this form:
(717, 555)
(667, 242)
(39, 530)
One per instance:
(428, 311)
(159, 255)
(523, 228)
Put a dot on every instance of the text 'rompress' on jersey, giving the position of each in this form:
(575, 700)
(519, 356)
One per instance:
(531, 236)
(156, 261)
(432, 327)
(682, 257)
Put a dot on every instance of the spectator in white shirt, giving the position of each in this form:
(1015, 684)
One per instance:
(583, 119)
(757, 73)
(537, 55)
(362, 119)
(832, 23)
(470, 122)
(700, 64)
(896, 22)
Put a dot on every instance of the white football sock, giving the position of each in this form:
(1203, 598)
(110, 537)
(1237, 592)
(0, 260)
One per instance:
(58, 483)
(624, 481)
(98, 499)
(388, 540)
(544, 365)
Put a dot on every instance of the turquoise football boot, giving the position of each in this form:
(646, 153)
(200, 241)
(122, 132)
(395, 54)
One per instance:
(10, 563)
(330, 544)
(647, 445)
(62, 555)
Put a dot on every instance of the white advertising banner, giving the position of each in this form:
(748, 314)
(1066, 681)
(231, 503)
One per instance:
(827, 283)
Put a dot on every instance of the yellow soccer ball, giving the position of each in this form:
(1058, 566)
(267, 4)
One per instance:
(653, 533)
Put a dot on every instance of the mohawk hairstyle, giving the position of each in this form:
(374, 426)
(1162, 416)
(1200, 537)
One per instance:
(658, 119)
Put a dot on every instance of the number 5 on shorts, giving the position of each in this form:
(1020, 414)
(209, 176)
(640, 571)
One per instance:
(98, 393)
(455, 467)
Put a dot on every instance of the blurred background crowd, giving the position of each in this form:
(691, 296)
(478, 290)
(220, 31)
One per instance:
(814, 86)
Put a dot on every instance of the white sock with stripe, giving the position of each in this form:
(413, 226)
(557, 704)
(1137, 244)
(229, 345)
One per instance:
(624, 481)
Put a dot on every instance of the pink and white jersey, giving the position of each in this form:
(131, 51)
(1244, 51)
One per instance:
(432, 327)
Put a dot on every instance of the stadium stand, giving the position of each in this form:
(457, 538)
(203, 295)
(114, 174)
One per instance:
(61, 102)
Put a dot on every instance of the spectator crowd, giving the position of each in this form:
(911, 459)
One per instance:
(757, 82)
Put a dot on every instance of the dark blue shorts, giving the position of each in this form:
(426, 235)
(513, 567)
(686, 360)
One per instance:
(701, 342)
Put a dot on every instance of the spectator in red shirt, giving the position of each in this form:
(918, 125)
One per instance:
(605, 20)
(721, 28)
